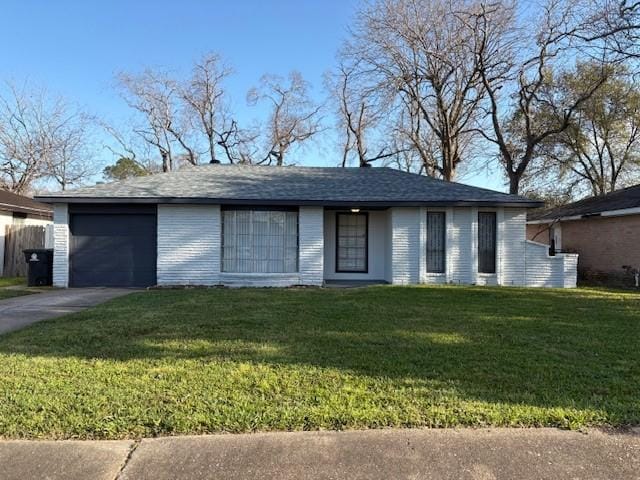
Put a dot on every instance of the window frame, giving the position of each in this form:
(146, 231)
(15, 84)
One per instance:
(366, 242)
(495, 242)
(258, 208)
(444, 243)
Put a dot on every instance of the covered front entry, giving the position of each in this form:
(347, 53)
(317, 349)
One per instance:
(357, 246)
(112, 246)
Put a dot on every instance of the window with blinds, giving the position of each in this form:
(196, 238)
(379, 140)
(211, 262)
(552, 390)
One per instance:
(351, 242)
(486, 242)
(257, 241)
(436, 251)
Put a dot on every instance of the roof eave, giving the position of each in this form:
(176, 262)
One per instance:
(620, 212)
(326, 203)
(41, 212)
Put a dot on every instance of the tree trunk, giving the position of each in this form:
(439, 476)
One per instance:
(212, 149)
(514, 183)
(448, 170)
(280, 158)
(166, 161)
(449, 159)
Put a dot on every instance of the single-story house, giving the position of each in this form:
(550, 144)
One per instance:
(279, 226)
(604, 231)
(19, 210)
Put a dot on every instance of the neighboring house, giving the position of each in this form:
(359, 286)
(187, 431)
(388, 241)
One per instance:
(20, 210)
(604, 231)
(279, 226)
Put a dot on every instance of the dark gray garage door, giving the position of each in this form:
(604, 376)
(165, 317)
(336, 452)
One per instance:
(113, 247)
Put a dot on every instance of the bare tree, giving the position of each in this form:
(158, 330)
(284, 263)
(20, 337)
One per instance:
(70, 161)
(611, 28)
(422, 51)
(406, 159)
(204, 98)
(187, 118)
(156, 97)
(421, 142)
(124, 143)
(524, 87)
(360, 111)
(294, 118)
(22, 142)
(41, 137)
(239, 145)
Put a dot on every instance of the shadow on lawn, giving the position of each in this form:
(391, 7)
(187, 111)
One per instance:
(545, 348)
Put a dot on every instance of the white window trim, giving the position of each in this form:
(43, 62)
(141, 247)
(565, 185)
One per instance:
(500, 224)
(446, 243)
(474, 245)
(448, 272)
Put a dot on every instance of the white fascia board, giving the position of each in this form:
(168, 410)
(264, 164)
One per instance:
(607, 213)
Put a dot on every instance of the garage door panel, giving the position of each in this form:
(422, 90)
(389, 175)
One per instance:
(93, 245)
(109, 276)
(113, 250)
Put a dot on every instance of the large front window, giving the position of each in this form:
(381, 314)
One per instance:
(351, 245)
(259, 241)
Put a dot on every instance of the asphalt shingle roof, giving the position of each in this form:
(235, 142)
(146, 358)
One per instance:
(618, 200)
(11, 202)
(234, 184)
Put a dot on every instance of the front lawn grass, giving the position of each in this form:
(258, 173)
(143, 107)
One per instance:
(12, 282)
(199, 361)
(10, 293)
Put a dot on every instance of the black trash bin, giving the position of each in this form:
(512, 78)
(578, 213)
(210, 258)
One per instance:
(40, 262)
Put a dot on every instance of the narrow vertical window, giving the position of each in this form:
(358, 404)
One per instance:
(487, 242)
(351, 242)
(436, 242)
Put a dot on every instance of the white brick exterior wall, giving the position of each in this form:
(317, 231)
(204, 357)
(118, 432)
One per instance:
(189, 250)
(542, 270)
(60, 245)
(570, 279)
(259, 279)
(311, 240)
(188, 244)
(460, 249)
(517, 264)
(409, 243)
(513, 246)
(405, 245)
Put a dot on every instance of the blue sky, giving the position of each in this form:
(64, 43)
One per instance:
(74, 48)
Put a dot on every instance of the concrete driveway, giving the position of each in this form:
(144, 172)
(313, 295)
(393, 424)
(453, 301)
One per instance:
(18, 312)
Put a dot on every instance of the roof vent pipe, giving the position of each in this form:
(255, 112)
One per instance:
(215, 161)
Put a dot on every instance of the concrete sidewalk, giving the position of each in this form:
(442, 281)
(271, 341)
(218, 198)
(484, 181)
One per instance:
(18, 312)
(374, 454)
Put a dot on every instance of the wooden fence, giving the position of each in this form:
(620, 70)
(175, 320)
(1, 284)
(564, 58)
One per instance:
(17, 238)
